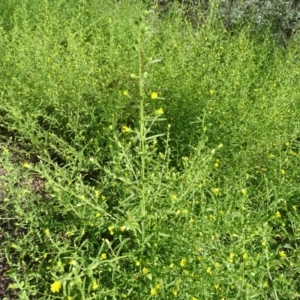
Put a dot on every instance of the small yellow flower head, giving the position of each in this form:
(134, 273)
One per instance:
(153, 292)
(123, 228)
(111, 229)
(245, 256)
(159, 112)
(94, 285)
(278, 214)
(126, 129)
(282, 254)
(215, 191)
(211, 92)
(282, 171)
(5, 151)
(145, 270)
(137, 263)
(244, 192)
(103, 256)
(55, 287)
(154, 95)
(47, 232)
(26, 165)
(125, 93)
(183, 262)
(174, 197)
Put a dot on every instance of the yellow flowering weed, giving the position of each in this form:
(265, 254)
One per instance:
(55, 287)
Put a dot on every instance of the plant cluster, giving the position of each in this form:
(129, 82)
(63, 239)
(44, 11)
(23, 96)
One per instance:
(144, 158)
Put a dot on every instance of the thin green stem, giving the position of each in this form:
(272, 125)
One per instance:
(142, 126)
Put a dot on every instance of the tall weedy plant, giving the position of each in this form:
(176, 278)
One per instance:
(145, 122)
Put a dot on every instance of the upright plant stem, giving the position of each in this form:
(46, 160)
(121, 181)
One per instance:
(142, 126)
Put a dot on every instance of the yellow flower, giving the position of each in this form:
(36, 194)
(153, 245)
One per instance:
(125, 93)
(47, 232)
(126, 129)
(159, 112)
(282, 171)
(277, 214)
(183, 262)
(215, 191)
(154, 95)
(26, 165)
(94, 285)
(153, 292)
(55, 287)
(145, 270)
(103, 256)
(111, 229)
(174, 197)
(137, 263)
(282, 254)
(245, 256)
(244, 192)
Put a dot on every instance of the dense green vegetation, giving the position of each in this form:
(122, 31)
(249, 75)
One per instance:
(145, 158)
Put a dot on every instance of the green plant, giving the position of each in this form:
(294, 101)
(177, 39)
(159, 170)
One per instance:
(143, 157)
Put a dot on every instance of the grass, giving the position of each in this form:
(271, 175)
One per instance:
(145, 159)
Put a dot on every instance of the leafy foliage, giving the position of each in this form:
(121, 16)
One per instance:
(146, 157)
